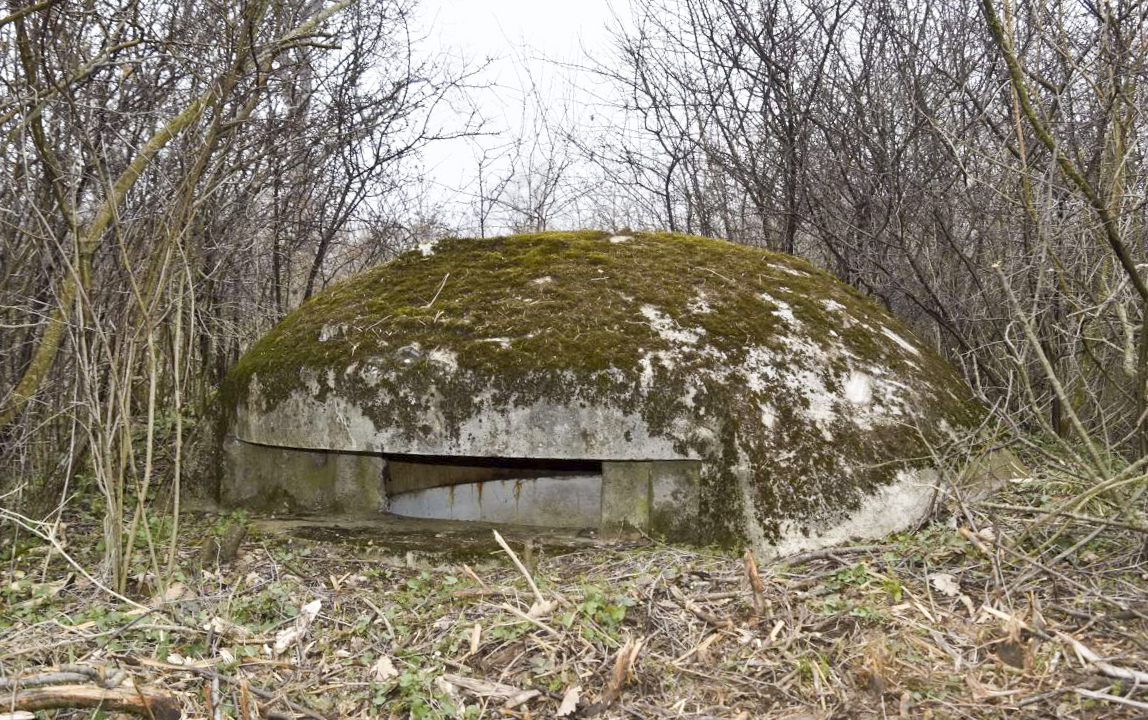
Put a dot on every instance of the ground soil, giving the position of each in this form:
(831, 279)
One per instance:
(979, 614)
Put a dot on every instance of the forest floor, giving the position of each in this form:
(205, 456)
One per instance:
(968, 617)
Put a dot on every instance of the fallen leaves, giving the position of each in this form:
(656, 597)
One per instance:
(287, 638)
(605, 634)
(383, 669)
(569, 701)
(946, 583)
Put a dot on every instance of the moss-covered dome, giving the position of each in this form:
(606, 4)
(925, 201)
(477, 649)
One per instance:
(808, 407)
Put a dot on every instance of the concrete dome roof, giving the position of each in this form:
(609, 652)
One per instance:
(808, 407)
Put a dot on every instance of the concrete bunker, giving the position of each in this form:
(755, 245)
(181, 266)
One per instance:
(684, 386)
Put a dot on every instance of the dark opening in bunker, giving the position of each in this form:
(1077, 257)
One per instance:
(527, 491)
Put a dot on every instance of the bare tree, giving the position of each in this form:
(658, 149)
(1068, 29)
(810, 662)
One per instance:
(175, 178)
(911, 148)
(531, 178)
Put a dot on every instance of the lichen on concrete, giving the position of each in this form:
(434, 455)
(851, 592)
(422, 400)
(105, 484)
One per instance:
(802, 399)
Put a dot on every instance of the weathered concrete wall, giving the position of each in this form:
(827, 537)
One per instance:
(313, 418)
(675, 500)
(266, 479)
(889, 509)
(567, 502)
(660, 497)
(625, 495)
(405, 475)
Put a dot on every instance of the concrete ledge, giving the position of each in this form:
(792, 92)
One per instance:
(263, 478)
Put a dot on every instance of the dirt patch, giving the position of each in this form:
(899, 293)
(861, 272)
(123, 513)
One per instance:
(424, 543)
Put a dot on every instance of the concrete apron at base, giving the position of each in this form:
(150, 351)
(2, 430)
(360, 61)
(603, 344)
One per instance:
(656, 496)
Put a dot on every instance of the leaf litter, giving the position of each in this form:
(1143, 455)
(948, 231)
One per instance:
(947, 622)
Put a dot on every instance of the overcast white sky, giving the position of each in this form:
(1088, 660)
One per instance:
(496, 27)
(541, 39)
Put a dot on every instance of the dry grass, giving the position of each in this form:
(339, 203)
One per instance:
(969, 621)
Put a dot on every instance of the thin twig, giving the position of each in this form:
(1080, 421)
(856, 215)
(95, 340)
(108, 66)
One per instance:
(1110, 698)
(521, 568)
